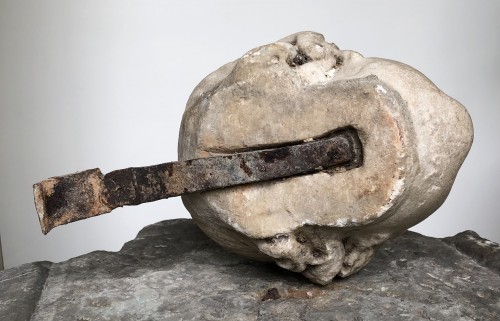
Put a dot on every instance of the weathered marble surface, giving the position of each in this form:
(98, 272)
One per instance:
(172, 271)
(303, 87)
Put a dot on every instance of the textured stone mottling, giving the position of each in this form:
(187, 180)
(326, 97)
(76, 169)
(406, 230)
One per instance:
(485, 252)
(20, 289)
(414, 138)
(172, 271)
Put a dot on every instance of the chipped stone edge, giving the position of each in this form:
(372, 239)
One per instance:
(483, 251)
(41, 267)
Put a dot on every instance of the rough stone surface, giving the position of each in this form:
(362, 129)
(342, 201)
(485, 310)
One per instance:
(1, 256)
(20, 290)
(172, 271)
(302, 87)
(485, 252)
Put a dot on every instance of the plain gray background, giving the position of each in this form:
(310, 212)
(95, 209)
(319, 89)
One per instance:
(100, 83)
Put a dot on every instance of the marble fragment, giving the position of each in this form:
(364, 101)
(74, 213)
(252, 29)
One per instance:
(299, 88)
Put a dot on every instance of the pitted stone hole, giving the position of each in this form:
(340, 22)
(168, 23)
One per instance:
(300, 59)
(293, 293)
(271, 294)
(301, 238)
(317, 253)
(339, 61)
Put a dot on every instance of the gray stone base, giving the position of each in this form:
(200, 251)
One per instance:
(1, 255)
(172, 271)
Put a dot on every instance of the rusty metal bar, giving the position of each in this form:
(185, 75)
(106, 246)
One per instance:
(64, 199)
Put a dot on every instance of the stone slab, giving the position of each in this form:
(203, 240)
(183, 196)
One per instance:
(172, 271)
(1, 255)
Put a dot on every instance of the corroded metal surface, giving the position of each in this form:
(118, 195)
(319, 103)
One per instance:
(64, 199)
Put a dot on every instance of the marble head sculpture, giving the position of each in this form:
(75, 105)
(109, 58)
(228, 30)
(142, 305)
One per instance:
(299, 88)
(277, 120)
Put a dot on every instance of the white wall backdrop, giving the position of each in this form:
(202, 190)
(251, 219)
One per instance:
(103, 83)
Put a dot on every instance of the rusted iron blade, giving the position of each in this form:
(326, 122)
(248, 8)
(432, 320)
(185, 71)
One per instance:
(64, 199)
